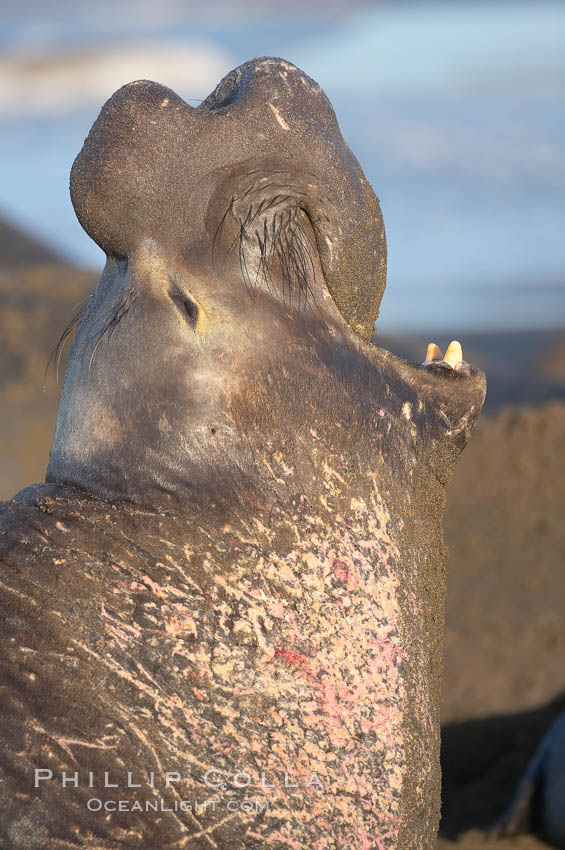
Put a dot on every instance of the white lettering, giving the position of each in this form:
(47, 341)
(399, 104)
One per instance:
(264, 783)
(210, 782)
(130, 783)
(69, 780)
(314, 780)
(41, 774)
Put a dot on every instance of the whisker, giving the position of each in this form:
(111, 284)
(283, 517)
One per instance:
(57, 352)
(123, 306)
(220, 227)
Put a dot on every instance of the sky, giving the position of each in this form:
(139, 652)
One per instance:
(454, 109)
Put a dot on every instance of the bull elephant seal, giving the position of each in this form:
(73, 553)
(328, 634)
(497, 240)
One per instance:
(223, 611)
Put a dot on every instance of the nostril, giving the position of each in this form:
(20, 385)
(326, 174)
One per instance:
(191, 310)
(186, 305)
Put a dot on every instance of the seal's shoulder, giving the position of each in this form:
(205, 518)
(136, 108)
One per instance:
(49, 524)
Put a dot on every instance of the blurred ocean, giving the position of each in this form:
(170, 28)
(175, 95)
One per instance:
(454, 109)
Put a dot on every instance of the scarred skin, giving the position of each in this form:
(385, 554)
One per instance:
(236, 563)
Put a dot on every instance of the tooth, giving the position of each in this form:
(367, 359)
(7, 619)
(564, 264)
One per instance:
(454, 354)
(433, 353)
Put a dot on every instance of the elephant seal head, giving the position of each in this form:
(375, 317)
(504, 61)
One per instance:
(246, 261)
